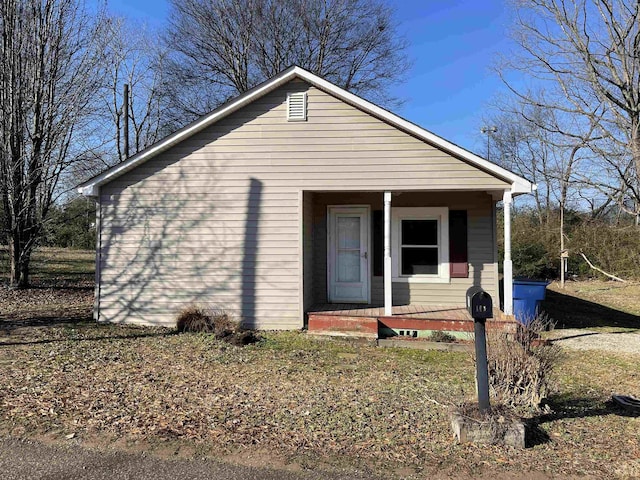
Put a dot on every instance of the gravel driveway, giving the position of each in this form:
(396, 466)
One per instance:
(581, 339)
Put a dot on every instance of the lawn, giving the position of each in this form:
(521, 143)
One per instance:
(55, 266)
(595, 304)
(291, 399)
(63, 283)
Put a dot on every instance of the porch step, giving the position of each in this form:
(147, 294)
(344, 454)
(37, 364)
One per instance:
(409, 323)
(372, 327)
(342, 325)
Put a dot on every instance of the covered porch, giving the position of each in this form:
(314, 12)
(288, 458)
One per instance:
(400, 263)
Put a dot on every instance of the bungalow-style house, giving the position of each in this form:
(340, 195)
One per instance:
(294, 201)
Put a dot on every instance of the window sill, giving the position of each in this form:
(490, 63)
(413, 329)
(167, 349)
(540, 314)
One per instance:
(420, 280)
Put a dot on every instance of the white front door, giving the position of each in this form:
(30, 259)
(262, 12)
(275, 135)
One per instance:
(348, 254)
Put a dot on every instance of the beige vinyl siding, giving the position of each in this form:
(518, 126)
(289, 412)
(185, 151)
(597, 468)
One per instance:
(482, 263)
(216, 219)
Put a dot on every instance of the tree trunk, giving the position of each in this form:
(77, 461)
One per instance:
(635, 152)
(562, 269)
(19, 262)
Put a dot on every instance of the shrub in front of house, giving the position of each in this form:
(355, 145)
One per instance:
(440, 336)
(199, 319)
(194, 319)
(520, 366)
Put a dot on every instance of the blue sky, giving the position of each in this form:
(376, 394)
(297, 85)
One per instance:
(453, 44)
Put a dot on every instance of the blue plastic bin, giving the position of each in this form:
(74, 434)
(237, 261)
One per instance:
(527, 295)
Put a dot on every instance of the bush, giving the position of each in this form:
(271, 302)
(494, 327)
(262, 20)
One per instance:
(439, 336)
(532, 260)
(615, 249)
(200, 319)
(612, 245)
(194, 319)
(519, 367)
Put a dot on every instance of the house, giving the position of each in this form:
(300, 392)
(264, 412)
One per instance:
(295, 197)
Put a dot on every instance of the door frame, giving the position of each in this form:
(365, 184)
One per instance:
(366, 209)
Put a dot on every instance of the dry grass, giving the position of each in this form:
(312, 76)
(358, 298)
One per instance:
(297, 398)
(55, 267)
(201, 319)
(617, 295)
(594, 304)
(308, 401)
(289, 394)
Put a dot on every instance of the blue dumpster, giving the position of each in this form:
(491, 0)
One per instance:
(527, 295)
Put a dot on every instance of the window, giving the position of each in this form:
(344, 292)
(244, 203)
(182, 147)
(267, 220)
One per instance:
(420, 240)
(419, 247)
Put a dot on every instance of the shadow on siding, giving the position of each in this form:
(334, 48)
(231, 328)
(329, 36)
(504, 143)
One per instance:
(252, 224)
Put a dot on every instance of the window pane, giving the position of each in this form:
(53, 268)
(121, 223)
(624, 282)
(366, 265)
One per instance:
(348, 266)
(419, 232)
(349, 232)
(419, 261)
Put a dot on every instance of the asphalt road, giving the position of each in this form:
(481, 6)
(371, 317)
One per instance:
(31, 460)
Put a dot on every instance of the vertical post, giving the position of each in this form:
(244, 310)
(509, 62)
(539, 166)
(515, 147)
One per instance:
(125, 114)
(482, 369)
(508, 264)
(562, 258)
(98, 276)
(388, 301)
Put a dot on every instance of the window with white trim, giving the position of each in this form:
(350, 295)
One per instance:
(420, 240)
(419, 246)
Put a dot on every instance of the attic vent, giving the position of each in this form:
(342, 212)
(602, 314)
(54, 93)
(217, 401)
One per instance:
(297, 107)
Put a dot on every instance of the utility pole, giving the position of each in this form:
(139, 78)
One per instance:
(125, 108)
(489, 131)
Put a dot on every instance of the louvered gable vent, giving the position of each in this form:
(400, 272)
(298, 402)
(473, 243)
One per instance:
(297, 107)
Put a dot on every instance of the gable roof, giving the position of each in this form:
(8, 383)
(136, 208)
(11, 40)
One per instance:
(90, 187)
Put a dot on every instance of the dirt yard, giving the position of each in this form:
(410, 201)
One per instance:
(290, 399)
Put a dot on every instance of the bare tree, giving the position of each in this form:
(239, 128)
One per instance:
(587, 53)
(224, 47)
(545, 145)
(48, 78)
(133, 57)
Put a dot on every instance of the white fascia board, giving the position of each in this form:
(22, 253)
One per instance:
(519, 184)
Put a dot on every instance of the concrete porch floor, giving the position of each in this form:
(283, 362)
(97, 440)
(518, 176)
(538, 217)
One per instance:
(369, 320)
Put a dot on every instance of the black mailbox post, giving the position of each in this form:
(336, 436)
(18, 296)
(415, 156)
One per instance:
(480, 307)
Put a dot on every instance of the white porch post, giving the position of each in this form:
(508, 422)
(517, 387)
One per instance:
(508, 265)
(387, 255)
